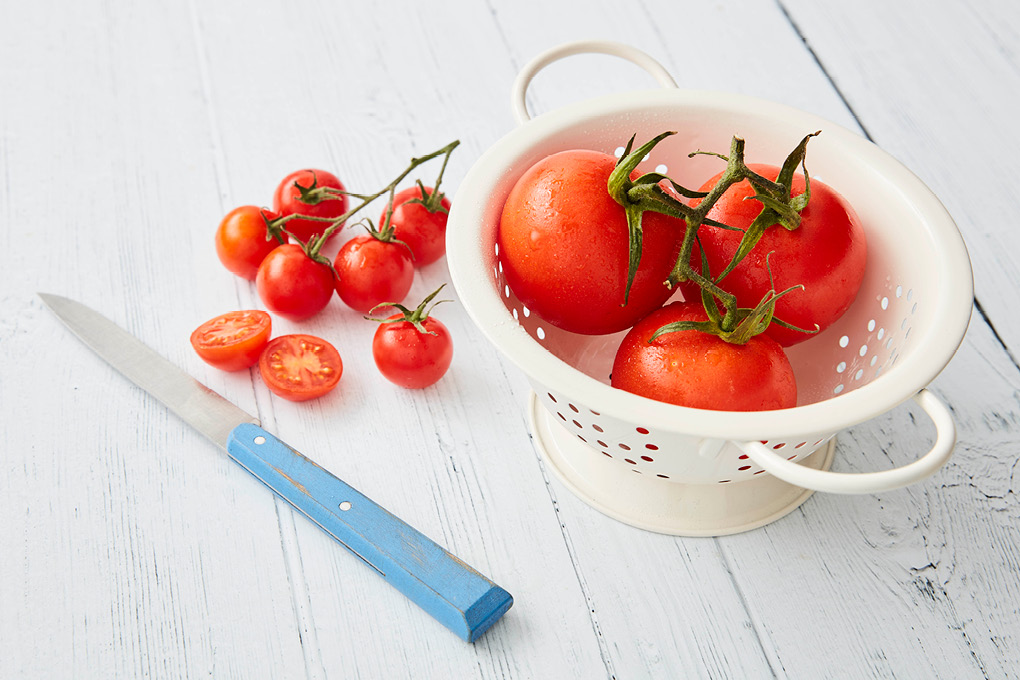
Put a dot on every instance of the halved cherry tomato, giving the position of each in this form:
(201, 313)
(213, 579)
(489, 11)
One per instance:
(300, 367)
(423, 231)
(292, 284)
(233, 341)
(287, 201)
(242, 241)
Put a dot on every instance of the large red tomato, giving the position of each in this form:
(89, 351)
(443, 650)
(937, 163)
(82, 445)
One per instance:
(826, 254)
(700, 370)
(564, 246)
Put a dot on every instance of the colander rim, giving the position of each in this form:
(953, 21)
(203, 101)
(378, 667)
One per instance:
(914, 371)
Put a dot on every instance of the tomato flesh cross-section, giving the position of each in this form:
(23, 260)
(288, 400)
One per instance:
(300, 367)
(233, 341)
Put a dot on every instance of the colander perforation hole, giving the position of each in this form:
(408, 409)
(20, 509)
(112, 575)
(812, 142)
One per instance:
(573, 408)
(632, 462)
(647, 459)
(651, 447)
(744, 467)
(623, 446)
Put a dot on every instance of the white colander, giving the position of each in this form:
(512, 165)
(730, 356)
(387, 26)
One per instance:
(697, 472)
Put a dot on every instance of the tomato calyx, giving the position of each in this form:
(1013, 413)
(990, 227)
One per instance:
(778, 206)
(274, 225)
(647, 193)
(749, 321)
(313, 194)
(385, 234)
(416, 317)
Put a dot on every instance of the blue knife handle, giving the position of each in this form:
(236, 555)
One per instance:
(452, 592)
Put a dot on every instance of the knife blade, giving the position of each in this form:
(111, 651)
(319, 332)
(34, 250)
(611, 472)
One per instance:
(452, 592)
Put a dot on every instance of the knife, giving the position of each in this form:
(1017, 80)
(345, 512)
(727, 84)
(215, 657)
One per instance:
(456, 595)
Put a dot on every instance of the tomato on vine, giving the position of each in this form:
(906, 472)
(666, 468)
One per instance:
(574, 254)
(314, 193)
(823, 257)
(244, 237)
(373, 268)
(411, 348)
(419, 219)
(668, 356)
(295, 282)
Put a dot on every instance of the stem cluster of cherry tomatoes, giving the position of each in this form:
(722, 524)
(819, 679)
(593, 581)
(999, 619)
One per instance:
(281, 250)
(764, 255)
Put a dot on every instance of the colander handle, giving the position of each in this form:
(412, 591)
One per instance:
(520, 86)
(866, 482)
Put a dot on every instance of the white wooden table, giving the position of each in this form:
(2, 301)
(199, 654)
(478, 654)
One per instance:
(130, 547)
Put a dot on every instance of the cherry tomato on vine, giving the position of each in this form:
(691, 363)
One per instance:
(826, 254)
(412, 349)
(701, 370)
(564, 246)
(292, 284)
(422, 229)
(370, 271)
(320, 187)
(300, 367)
(233, 341)
(243, 241)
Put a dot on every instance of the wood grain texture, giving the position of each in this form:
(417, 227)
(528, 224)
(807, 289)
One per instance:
(130, 547)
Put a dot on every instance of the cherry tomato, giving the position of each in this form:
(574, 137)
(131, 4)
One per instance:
(410, 357)
(700, 370)
(370, 271)
(233, 341)
(242, 241)
(564, 246)
(826, 254)
(292, 284)
(423, 231)
(287, 201)
(300, 367)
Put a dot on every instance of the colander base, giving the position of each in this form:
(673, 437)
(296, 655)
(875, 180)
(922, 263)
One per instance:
(665, 507)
